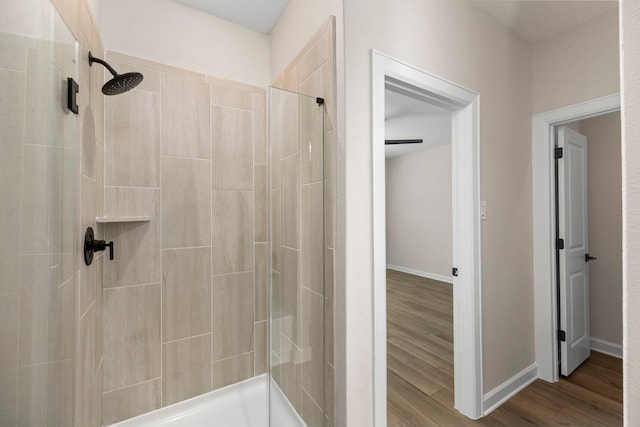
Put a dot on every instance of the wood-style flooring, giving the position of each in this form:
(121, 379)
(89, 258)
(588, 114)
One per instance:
(420, 371)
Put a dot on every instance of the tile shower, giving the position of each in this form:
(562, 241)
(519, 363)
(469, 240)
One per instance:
(185, 300)
(177, 174)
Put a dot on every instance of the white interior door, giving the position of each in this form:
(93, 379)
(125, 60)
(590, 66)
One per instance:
(574, 270)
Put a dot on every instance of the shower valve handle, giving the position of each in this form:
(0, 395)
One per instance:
(92, 245)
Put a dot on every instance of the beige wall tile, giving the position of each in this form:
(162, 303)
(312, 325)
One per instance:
(8, 353)
(37, 124)
(291, 201)
(131, 335)
(260, 344)
(261, 197)
(227, 96)
(313, 57)
(12, 113)
(313, 248)
(232, 145)
(186, 203)
(329, 209)
(46, 394)
(88, 147)
(13, 57)
(99, 324)
(32, 398)
(233, 239)
(311, 141)
(329, 393)
(277, 314)
(186, 368)
(131, 401)
(276, 229)
(260, 153)
(86, 365)
(10, 278)
(96, 395)
(232, 315)
(132, 141)
(262, 281)
(317, 84)
(291, 371)
(285, 113)
(8, 416)
(47, 314)
(123, 201)
(36, 190)
(136, 245)
(186, 293)
(311, 413)
(290, 294)
(232, 370)
(313, 366)
(185, 117)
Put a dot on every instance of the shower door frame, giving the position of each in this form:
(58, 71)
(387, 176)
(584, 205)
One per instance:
(467, 309)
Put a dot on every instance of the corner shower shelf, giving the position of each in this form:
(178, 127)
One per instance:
(114, 219)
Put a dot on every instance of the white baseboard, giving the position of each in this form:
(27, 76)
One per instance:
(509, 388)
(432, 276)
(606, 347)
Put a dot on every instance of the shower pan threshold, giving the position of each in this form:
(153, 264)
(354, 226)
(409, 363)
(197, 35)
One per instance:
(243, 404)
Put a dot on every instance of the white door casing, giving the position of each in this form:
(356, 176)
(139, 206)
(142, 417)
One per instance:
(574, 269)
(464, 104)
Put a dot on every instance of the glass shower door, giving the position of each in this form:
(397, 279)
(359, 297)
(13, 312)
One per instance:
(297, 339)
(38, 218)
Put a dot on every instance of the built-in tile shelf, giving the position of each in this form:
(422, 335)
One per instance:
(112, 219)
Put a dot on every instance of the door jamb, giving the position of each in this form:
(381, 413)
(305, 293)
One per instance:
(544, 272)
(465, 107)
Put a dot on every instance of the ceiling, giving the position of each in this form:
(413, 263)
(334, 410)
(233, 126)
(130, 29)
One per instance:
(541, 19)
(258, 15)
(534, 20)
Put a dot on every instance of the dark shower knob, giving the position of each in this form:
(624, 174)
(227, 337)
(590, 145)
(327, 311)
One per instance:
(92, 245)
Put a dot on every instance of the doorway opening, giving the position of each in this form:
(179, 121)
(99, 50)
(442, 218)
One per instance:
(463, 104)
(546, 272)
(589, 221)
(419, 248)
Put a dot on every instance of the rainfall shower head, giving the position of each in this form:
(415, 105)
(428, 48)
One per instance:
(120, 83)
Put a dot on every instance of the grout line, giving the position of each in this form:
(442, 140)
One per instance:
(185, 248)
(187, 338)
(231, 274)
(168, 156)
(107, 288)
(229, 107)
(132, 385)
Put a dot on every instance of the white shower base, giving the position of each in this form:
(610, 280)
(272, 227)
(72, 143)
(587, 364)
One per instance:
(244, 404)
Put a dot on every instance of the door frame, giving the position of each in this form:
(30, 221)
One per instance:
(467, 309)
(544, 267)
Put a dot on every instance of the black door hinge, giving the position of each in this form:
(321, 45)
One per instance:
(559, 243)
(562, 336)
(454, 272)
(320, 101)
(558, 153)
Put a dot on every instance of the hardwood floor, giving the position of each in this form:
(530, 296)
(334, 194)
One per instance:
(420, 371)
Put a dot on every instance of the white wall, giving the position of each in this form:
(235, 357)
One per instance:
(605, 226)
(630, 45)
(171, 33)
(461, 43)
(418, 188)
(577, 65)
